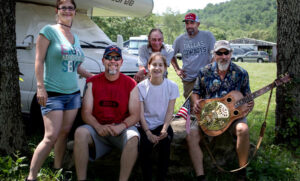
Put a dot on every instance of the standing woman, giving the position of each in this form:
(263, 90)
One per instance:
(157, 97)
(58, 58)
(155, 44)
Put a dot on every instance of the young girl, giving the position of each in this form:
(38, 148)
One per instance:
(157, 97)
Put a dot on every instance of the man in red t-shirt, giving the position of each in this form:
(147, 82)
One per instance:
(110, 110)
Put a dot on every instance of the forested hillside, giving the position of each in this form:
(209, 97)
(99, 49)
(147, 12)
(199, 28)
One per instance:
(242, 18)
(228, 20)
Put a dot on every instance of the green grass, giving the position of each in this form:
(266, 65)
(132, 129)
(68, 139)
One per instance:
(261, 75)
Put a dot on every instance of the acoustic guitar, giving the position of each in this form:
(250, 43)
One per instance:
(217, 114)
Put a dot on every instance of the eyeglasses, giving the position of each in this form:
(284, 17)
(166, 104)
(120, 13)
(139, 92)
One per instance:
(116, 58)
(155, 40)
(65, 8)
(221, 53)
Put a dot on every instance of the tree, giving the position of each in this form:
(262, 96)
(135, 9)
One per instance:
(11, 125)
(126, 26)
(288, 60)
(259, 34)
(172, 25)
(218, 33)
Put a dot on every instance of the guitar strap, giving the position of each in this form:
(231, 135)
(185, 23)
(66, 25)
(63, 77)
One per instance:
(262, 132)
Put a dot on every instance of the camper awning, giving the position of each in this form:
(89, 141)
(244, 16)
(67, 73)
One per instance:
(134, 8)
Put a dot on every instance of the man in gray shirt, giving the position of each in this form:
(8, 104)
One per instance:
(195, 47)
(155, 44)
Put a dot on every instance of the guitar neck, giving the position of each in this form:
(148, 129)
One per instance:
(254, 95)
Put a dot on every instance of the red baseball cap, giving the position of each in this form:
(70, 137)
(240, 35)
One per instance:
(191, 17)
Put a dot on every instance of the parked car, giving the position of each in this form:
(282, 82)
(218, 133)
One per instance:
(134, 43)
(237, 52)
(254, 56)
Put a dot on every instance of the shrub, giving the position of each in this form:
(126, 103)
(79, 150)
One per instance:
(273, 163)
(12, 168)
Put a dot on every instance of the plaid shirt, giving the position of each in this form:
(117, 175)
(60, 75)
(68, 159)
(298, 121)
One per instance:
(209, 84)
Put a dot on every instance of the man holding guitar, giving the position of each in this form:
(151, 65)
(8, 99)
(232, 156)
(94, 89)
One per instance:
(216, 80)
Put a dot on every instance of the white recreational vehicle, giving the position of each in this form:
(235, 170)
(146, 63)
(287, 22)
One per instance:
(32, 15)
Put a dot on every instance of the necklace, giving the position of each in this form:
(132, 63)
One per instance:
(65, 25)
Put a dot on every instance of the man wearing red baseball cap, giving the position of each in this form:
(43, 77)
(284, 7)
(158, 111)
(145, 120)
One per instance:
(196, 47)
(191, 17)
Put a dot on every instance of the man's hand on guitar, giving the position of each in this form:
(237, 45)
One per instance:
(196, 107)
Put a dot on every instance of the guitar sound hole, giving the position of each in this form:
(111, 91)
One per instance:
(229, 99)
(235, 112)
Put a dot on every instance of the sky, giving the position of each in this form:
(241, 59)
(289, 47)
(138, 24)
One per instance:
(182, 6)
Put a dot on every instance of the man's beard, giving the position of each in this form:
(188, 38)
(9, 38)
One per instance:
(190, 31)
(112, 72)
(223, 66)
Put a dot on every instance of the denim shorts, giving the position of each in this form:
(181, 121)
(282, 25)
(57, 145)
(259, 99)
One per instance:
(62, 102)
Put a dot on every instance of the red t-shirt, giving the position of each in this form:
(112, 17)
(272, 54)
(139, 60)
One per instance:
(111, 98)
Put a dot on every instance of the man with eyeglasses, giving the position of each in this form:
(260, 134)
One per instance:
(195, 47)
(217, 80)
(110, 110)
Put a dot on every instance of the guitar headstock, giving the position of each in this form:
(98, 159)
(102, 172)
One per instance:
(282, 79)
